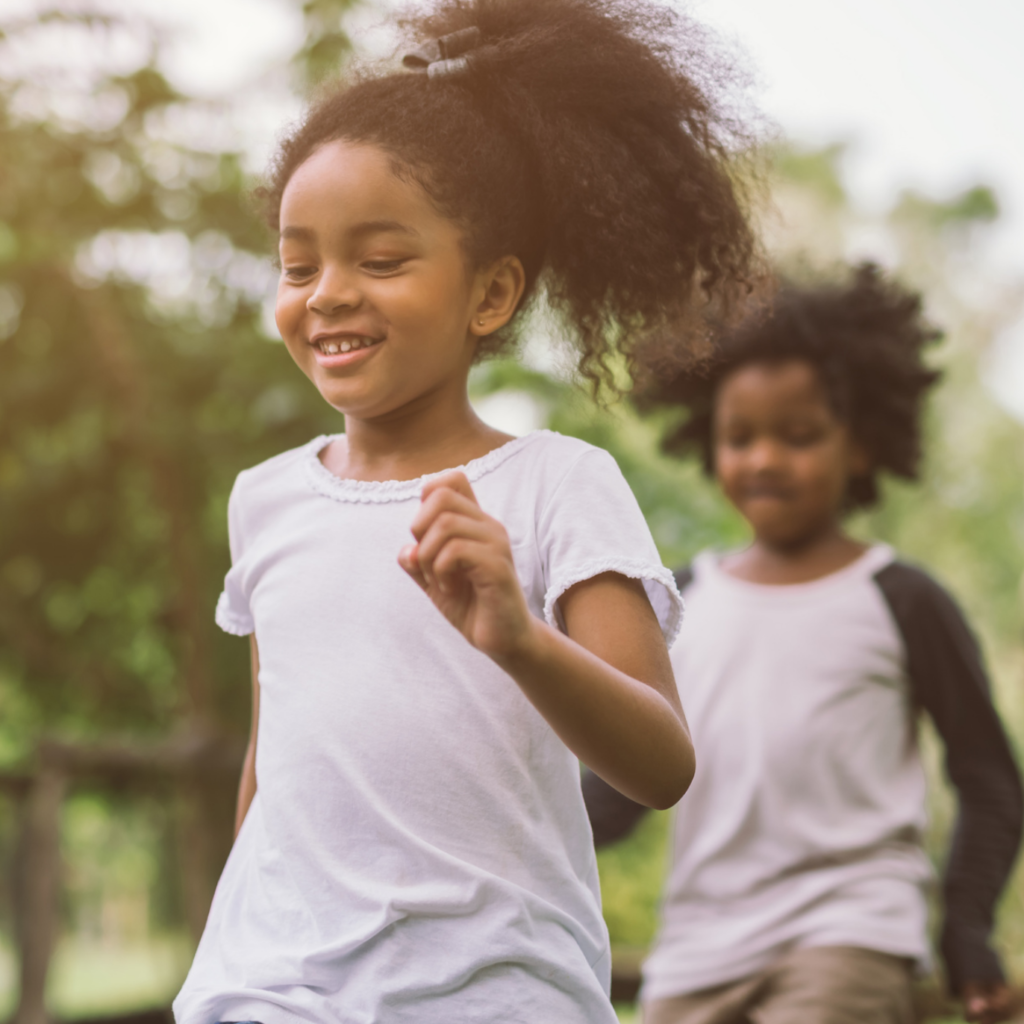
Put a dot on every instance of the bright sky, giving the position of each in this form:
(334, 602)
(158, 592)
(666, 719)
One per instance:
(926, 92)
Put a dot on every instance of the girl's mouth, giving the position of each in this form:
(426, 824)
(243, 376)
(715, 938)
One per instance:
(343, 350)
(349, 343)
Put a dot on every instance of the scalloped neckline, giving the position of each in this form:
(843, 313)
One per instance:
(376, 491)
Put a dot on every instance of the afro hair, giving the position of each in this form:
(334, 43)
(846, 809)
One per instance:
(865, 337)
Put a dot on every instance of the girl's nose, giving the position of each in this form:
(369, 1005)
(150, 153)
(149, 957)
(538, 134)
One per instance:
(333, 292)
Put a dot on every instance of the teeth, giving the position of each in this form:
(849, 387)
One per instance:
(332, 348)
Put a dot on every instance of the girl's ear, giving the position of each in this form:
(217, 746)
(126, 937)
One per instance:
(502, 285)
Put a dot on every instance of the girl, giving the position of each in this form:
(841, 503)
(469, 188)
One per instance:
(797, 890)
(434, 647)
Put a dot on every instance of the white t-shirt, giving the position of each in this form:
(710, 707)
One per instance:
(804, 821)
(418, 848)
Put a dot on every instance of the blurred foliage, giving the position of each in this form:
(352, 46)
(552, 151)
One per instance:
(632, 873)
(135, 381)
(137, 377)
(326, 45)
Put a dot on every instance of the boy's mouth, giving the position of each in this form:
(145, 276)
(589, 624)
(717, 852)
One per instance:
(768, 494)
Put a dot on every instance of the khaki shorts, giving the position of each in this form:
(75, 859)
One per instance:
(820, 985)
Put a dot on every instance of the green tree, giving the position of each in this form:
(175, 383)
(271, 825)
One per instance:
(135, 381)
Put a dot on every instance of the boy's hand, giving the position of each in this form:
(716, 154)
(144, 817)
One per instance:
(987, 1004)
(463, 560)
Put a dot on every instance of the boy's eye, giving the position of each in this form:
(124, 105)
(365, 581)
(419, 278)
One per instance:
(736, 440)
(803, 437)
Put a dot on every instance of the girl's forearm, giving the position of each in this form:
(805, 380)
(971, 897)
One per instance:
(622, 729)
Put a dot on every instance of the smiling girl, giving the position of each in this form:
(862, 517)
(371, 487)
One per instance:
(445, 619)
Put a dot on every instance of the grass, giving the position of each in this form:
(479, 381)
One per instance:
(88, 978)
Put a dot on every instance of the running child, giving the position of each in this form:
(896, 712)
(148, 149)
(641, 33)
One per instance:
(443, 618)
(797, 885)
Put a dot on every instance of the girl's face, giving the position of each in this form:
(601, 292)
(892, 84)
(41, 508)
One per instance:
(376, 302)
(781, 455)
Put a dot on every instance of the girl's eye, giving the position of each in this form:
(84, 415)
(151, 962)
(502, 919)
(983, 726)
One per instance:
(298, 273)
(383, 266)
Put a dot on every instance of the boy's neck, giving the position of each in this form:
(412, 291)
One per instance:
(411, 443)
(802, 562)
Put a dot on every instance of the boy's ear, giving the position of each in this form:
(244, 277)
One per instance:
(502, 285)
(861, 462)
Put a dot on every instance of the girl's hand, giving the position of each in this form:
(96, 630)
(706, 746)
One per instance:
(606, 689)
(463, 560)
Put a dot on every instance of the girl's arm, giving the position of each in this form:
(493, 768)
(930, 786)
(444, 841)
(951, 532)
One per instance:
(247, 784)
(607, 688)
(613, 816)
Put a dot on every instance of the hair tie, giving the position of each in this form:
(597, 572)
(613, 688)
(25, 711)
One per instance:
(446, 55)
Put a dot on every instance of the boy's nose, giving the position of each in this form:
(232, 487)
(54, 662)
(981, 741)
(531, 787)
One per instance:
(765, 455)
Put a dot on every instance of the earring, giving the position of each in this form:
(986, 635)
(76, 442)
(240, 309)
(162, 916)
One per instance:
(480, 322)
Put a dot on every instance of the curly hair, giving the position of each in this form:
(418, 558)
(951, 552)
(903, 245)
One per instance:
(585, 137)
(865, 338)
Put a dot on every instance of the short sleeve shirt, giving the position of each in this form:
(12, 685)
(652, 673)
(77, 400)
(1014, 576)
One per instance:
(418, 848)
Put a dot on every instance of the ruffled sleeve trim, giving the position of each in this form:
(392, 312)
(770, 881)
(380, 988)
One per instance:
(658, 582)
(230, 621)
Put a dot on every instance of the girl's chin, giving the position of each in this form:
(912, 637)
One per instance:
(347, 391)
(359, 402)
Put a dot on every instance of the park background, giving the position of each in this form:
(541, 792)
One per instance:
(140, 371)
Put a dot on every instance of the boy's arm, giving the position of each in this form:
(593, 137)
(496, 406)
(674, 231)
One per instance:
(613, 816)
(949, 681)
(247, 784)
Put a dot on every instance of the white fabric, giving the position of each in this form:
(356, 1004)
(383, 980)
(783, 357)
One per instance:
(804, 821)
(418, 849)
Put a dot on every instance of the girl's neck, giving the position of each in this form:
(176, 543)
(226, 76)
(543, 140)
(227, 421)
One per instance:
(811, 559)
(411, 443)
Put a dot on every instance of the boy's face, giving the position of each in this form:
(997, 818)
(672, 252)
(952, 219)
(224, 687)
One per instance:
(781, 455)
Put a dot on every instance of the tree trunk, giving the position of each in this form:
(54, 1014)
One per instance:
(38, 893)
